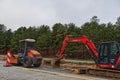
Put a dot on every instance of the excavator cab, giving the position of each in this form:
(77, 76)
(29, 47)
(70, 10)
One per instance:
(27, 55)
(109, 53)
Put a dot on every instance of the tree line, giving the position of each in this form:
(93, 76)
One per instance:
(49, 39)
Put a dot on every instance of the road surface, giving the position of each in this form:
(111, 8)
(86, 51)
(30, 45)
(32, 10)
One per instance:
(41, 73)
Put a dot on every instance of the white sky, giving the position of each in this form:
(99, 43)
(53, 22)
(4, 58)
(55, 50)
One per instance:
(17, 13)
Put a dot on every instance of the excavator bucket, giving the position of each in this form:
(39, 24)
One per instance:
(56, 62)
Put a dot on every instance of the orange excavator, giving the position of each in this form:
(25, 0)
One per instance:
(107, 57)
(27, 55)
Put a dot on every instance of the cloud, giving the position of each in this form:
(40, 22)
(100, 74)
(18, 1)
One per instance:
(16, 13)
(80, 11)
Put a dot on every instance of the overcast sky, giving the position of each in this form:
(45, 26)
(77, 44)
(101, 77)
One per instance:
(17, 13)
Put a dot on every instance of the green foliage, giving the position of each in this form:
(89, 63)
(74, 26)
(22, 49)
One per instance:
(58, 34)
(49, 39)
(44, 38)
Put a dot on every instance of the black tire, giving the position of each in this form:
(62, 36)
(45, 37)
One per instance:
(27, 63)
(37, 65)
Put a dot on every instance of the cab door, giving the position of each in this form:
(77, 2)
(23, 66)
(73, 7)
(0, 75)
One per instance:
(104, 51)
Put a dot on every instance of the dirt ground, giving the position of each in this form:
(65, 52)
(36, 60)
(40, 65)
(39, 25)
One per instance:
(2, 57)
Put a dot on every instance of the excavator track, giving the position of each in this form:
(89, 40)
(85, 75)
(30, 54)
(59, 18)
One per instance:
(104, 73)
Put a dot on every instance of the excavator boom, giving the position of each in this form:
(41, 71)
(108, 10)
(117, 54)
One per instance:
(81, 39)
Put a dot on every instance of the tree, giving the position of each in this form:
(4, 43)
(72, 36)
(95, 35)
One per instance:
(43, 39)
(94, 19)
(58, 34)
(72, 29)
(2, 27)
(19, 34)
(118, 21)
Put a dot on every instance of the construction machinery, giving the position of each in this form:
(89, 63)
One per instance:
(107, 57)
(27, 55)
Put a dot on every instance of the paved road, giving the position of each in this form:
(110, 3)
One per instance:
(41, 73)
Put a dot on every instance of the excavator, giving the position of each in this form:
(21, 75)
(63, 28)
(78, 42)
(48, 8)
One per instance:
(27, 55)
(107, 57)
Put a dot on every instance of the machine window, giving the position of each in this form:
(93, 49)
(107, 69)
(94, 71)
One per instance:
(114, 49)
(103, 50)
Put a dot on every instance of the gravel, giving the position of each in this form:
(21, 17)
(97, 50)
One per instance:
(41, 73)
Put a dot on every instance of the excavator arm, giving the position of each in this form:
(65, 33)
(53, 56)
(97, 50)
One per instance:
(82, 39)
